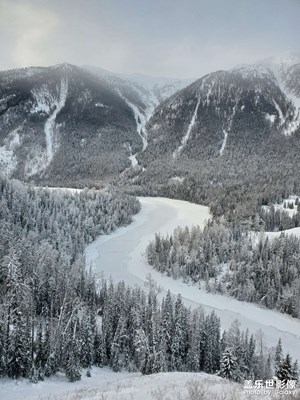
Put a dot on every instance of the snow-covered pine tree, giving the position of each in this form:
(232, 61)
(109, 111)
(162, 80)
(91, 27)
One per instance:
(228, 365)
(73, 372)
(87, 341)
(19, 357)
(141, 345)
(2, 345)
(278, 356)
(285, 370)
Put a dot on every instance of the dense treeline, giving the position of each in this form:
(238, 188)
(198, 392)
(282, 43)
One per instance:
(55, 317)
(230, 261)
(124, 328)
(66, 220)
(272, 219)
(42, 270)
(235, 185)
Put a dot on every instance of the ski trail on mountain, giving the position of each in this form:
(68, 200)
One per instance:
(50, 123)
(186, 137)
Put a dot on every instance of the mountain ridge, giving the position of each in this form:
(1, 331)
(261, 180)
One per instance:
(53, 104)
(71, 124)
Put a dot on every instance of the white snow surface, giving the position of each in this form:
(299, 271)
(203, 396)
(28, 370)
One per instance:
(281, 117)
(227, 131)
(270, 117)
(280, 207)
(141, 120)
(186, 137)
(50, 123)
(132, 157)
(108, 385)
(121, 256)
(292, 231)
(59, 189)
(224, 142)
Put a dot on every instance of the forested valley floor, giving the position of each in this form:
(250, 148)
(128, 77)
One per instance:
(56, 317)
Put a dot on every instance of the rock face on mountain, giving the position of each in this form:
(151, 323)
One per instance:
(66, 124)
(239, 110)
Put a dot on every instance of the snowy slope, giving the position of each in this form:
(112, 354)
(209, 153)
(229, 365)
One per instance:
(121, 256)
(284, 70)
(273, 235)
(107, 385)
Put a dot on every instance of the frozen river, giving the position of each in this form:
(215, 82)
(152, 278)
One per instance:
(121, 256)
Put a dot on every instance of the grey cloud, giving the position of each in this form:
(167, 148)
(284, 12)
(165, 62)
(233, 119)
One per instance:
(174, 38)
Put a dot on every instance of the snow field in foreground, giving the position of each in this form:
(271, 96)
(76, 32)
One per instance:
(105, 384)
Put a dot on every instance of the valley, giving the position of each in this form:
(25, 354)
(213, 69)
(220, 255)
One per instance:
(121, 256)
(223, 148)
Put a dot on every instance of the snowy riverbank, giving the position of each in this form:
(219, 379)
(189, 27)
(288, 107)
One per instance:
(121, 256)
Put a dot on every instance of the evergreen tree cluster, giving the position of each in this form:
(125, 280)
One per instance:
(126, 329)
(43, 278)
(68, 221)
(140, 334)
(227, 259)
(285, 369)
(55, 317)
(235, 185)
(278, 220)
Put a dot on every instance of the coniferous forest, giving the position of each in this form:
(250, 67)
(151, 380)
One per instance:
(231, 260)
(56, 317)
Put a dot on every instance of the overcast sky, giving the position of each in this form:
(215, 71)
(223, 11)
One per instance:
(173, 38)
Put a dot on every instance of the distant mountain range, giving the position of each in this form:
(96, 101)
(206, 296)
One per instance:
(69, 124)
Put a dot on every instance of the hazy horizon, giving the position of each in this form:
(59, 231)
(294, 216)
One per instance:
(160, 39)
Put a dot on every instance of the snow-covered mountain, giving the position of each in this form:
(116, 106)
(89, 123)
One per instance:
(229, 111)
(142, 94)
(285, 72)
(66, 123)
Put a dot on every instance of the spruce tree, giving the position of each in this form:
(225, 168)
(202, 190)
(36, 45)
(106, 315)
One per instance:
(285, 371)
(228, 365)
(278, 356)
